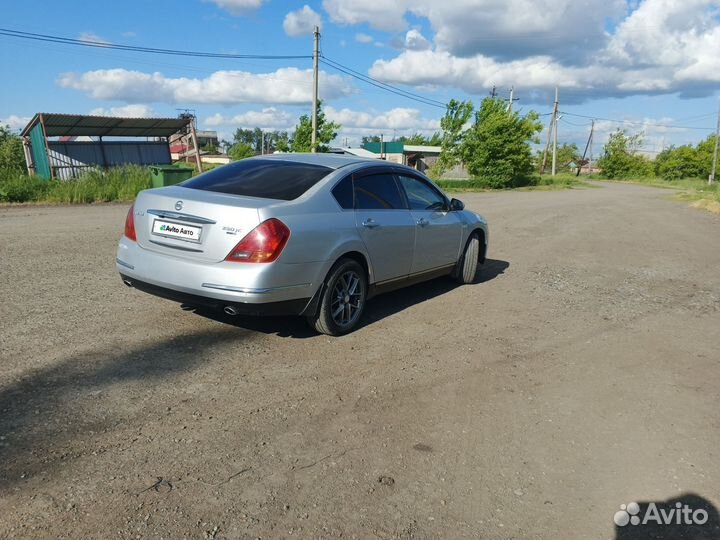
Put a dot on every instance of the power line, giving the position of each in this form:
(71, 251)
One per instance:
(49, 38)
(638, 123)
(150, 50)
(572, 123)
(379, 84)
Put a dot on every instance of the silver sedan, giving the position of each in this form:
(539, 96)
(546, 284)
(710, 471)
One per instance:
(315, 235)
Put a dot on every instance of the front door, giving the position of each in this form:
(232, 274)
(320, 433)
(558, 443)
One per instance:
(438, 231)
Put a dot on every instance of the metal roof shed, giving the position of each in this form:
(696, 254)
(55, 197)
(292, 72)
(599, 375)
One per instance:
(66, 157)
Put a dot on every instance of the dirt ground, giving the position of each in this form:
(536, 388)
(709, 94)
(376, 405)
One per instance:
(579, 373)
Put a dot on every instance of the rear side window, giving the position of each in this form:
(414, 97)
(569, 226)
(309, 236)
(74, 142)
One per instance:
(263, 178)
(377, 192)
(343, 193)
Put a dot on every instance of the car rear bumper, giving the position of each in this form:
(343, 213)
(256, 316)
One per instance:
(286, 307)
(219, 284)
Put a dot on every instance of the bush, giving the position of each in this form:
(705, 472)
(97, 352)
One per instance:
(96, 185)
(488, 183)
(115, 184)
(18, 188)
(621, 159)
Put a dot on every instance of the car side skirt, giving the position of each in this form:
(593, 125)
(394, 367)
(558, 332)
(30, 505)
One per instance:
(399, 283)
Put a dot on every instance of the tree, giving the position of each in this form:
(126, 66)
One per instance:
(240, 151)
(414, 139)
(496, 148)
(453, 125)
(12, 157)
(370, 139)
(276, 140)
(705, 151)
(679, 162)
(620, 158)
(326, 132)
(435, 140)
(567, 154)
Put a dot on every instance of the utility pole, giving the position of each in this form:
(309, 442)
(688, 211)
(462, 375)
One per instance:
(510, 101)
(711, 179)
(547, 147)
(316, 55)
(592, 141)
(555, 133)
(592, 128)
(493, 93)
(193, 134)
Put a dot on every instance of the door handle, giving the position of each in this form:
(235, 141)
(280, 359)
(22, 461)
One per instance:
(370, 223)
(422, 222)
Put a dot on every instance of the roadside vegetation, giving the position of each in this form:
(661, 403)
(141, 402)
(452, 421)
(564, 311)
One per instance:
(115, 184)
(492, 143)
(685, 168)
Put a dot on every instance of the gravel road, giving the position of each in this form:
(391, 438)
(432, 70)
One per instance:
(579, 373)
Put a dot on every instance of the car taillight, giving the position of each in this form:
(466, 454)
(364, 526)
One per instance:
(130, 224)
(263, 244)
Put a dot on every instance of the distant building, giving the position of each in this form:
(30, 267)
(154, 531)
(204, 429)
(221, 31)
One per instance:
(181, 144)
(420, 157)
(64, 145)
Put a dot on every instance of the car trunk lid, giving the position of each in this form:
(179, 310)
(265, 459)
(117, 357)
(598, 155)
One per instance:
(194, 224)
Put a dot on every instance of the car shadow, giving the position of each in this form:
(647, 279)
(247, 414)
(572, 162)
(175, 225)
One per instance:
(45, 409)
(698, 519)
(377, 308)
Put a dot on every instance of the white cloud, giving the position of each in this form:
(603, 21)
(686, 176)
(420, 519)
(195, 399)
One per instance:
(477, 73)
(652, 46)
(131, 111)
(301, 22)
(363, 38)
(393, 122)
(286, 85)
(498, 28)
(15, 122)
(415, 41)
(91, 37)
(399, 118)
(389, 16)
(269, 118)
(237, 7)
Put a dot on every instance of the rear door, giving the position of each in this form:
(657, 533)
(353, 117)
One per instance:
(438, 231)
(385, 224)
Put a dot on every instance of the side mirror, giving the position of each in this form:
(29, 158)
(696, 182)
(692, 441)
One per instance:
(456, 205)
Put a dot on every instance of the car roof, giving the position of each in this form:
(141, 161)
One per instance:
(333, 161)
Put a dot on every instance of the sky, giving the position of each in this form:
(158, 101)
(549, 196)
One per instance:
(649, 66)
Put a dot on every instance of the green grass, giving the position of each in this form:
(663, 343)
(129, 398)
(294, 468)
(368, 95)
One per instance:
(694, 190)
(116, 184)
(539, 183)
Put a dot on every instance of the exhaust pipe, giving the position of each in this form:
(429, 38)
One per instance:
(127, 282)
(187, 307)
(231, 310)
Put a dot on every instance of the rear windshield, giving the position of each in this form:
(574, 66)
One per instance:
(263, 178)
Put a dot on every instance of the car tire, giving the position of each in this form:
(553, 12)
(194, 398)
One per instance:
(467, 265)
(343, 299)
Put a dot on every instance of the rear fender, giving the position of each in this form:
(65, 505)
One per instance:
(351, 246)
